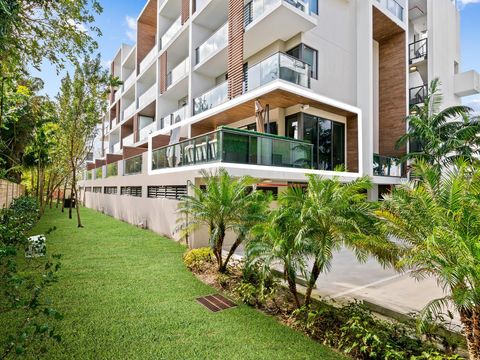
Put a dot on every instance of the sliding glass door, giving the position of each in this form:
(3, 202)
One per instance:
(327, 137)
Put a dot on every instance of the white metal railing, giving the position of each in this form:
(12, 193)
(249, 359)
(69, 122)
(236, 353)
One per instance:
(147, 97)
(116, 147)
(214, 43)
(147, 130)
(128, 140)
(129, 111)
(130, 80)
(394, 7)
(178, 72)
(173, 118)
(148, 59)
(171, 32)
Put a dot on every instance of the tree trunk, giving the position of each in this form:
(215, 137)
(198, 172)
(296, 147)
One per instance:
(234, 247)
(311, 282)
(63, 195)
(476, 331)
(218, 246)
(71, 199)
(75, 195)
(292, 286)
(467, 319)
(58, 196)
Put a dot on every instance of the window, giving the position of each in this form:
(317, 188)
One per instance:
(110, 190)
(313, 6)
(131, 191)
(167, 191)
(273, 128)
(308, 55)
(97, 189)
(88, 189)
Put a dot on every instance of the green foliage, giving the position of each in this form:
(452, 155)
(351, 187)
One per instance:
(441, 136)
(23, 282)
(198, 260)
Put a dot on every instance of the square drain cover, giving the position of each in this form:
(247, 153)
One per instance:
(216, 302)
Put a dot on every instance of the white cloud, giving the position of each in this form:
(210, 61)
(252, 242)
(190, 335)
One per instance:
(132, 28)
(463, 3)
(80, 27)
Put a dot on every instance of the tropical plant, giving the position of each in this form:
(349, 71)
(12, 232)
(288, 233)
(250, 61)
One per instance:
(440, 136)
(336, 215)
(224, 204)
(438, 219)
(274, 241)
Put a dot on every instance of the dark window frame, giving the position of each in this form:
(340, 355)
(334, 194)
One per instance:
(301, 48)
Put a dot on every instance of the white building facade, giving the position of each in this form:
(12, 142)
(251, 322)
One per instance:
(275, 89)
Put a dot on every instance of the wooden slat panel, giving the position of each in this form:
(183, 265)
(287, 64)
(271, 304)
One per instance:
(129, 151)
(185, 10)
(352, 143)
(235, 48)
(112, 158)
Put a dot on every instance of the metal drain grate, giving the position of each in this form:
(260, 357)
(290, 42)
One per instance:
(216, 302)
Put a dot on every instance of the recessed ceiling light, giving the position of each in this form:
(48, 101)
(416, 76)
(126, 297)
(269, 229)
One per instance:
(413, 68)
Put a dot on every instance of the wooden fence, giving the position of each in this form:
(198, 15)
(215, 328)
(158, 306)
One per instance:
(8, 192)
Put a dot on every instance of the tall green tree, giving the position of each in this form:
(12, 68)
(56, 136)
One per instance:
(441, 136)
(81, 102)
(438, 218)
(225, 204)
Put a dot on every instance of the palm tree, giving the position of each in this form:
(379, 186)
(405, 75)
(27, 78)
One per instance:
(336, 215)
(438, 218)
(274, 242)
(440, 137)
(224, 205)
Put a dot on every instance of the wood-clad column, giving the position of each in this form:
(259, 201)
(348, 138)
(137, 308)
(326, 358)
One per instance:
(352, 144)
(185, 10)
(163, 72)
(136, 125)
(235, 48)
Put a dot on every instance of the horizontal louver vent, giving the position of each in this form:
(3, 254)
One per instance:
(167, 191)
(97, 189)
(131, 190)
(110, 190)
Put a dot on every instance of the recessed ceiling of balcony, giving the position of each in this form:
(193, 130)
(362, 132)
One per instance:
(215, 65)
(148, 110)
(383, 26)
(417, 9)
(129, 61)
(149, 77)
(177, 49)
(213, 15)
(280, 23)
(171, 9)
(149, 13)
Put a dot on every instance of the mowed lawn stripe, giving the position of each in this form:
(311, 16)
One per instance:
(126, 294)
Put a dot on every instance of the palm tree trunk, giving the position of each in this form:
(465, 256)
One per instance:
(476, 331)
(311, 282)
(218, 248)
(292, 286)
(467, 319)
(234, 247)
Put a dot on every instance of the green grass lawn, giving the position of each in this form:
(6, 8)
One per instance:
(125, 294)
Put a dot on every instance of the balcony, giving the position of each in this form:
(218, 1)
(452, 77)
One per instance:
(173, 118)
(199, 4)
(112, 169)
(387, 166)
(418, 95)
(177, 73)
(130, 80)
(213, 44)
(173, 30)
(228, 145)
(114, 122)
(147, 60)
(147, 97)
(267, 21)
(133, 166)
(467, 83)
(98, 173)
(212, 98)
(128, 140)
(129, 111)
(117, 95)
(418, 51)
(393, 7)
(116, 148)
(147, 130)
(279, 66)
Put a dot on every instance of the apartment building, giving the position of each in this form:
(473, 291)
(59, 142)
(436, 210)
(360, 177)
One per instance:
(276, 89)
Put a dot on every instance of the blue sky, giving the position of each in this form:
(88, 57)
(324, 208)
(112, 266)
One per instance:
(117, 23)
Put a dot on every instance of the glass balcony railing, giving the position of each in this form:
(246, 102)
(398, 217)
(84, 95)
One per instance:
(256, 8)
(418, 50)
(89, 174)
(148, 59)
(387, 166)
(129, 111)
(211, 98)
(130, 80)
(128, 140)
(116, 147)
(278, 66)
(237, 146)
(147, 97)
(418, 95)
(147, 130)
(133, 165)
(112, 169)
(171, 32)
(214, 43)
(173, 118)
(394, 7)
(114, 122)
(178, 72)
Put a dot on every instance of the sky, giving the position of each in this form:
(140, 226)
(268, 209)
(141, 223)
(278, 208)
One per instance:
(117, 23)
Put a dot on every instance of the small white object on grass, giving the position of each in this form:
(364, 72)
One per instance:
(36, 246)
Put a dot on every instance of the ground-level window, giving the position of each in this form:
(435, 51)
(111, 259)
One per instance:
(131, 191)
(167, 191)
(97, 189)
(273, 190)
(88, 189)
(110, 190)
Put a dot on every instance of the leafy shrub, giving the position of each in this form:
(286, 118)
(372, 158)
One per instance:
(198, 260)
(19, 218)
